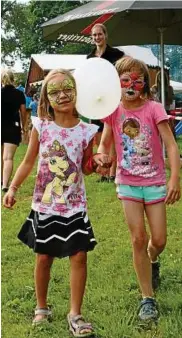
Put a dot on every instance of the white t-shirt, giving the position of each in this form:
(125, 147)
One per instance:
(59, 188)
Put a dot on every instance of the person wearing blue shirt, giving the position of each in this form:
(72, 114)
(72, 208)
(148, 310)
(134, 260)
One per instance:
(33, 105)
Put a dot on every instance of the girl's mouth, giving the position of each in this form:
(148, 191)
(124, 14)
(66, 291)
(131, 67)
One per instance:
(130, 92)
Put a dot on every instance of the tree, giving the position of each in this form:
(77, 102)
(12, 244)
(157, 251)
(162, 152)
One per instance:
(21, 24)
(13, 18)
(173, 59)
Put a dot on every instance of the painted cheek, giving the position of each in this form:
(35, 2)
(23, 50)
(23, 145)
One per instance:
(52, 102)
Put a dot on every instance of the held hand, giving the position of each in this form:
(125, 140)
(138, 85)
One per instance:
(102, 171)
(103, 160)
(9, 199)
(173, 191)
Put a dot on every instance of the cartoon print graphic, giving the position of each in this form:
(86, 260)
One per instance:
(131, 129)
(142, 149)
(64, 173)
(137, 155)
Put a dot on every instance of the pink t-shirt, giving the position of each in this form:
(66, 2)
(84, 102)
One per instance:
(138, 144)
(59, 188)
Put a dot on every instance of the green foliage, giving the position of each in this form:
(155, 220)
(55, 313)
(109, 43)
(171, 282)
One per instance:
(13, 21)
(21, 24)
(173, 59)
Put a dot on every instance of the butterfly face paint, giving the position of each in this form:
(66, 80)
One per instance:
(132, 84)
(60, 93)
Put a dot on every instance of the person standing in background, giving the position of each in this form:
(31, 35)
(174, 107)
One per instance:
(169, 95)
(33, 105)
(103, 50)
(13, 116)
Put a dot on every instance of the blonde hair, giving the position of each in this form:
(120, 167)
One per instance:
(128, 64)
(7, 77)
(44, 108)
(104, 29)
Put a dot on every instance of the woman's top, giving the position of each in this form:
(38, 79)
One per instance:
(110, 54)
(11, 100)
(59, 188)
(138, 144)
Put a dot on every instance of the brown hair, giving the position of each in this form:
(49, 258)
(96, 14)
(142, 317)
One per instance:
(127, 64)
(44, 108)
(7, 77)
(104, 29)
(132, 123)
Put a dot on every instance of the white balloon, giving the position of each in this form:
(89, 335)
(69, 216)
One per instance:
(98, 88)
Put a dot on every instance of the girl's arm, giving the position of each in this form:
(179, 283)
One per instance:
(106, 139)
(23, 114)
(173, 193)
(95, 163)
(23, 170)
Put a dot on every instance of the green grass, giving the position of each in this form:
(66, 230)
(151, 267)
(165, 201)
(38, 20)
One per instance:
(112, 294)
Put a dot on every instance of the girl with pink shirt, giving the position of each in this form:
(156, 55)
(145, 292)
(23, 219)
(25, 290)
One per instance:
(137, 126)
(58, 225)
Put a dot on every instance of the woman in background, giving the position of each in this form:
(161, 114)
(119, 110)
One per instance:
(13, 114)
(103, 50)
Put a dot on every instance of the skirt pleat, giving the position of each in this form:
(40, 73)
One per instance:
(57, 236)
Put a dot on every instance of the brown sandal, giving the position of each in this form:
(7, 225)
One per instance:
(77, 326)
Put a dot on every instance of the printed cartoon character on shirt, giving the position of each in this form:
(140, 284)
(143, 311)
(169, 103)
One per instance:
(142, 149)
(131, 129)
(64, 173)
(136, 141)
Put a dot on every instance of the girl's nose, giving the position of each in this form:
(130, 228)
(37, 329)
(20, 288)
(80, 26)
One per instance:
(61, 94)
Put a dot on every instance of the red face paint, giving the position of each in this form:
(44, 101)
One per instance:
(132, 80)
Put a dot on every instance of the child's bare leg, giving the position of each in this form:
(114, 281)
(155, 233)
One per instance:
(78, 278)
(42, 277)
(134, 213)
(156, 215)
(78, 275)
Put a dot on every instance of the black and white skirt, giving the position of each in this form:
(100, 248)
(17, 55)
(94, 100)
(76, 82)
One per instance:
(57, 236)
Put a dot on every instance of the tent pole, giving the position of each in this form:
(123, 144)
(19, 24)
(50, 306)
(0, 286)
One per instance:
(161, 30)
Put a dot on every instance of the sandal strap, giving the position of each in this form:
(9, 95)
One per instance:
(73, 322)
(43, 311)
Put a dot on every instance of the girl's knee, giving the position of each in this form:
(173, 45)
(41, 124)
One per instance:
(7, 157)
(139, 240)
(159, 243)
(44, 260)
(79, 259)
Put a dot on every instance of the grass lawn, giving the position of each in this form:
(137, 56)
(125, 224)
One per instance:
(112, 294)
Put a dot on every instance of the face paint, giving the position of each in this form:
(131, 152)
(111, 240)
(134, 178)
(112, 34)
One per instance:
(132, 85)
(54, 91)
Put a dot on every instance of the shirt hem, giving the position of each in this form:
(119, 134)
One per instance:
(69, 213)
(143, 184)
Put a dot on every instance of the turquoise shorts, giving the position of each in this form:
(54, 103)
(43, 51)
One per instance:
(147, 195)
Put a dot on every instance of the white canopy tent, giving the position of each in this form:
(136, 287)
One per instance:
(177, 86)
(141, 53)
(55, 61)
